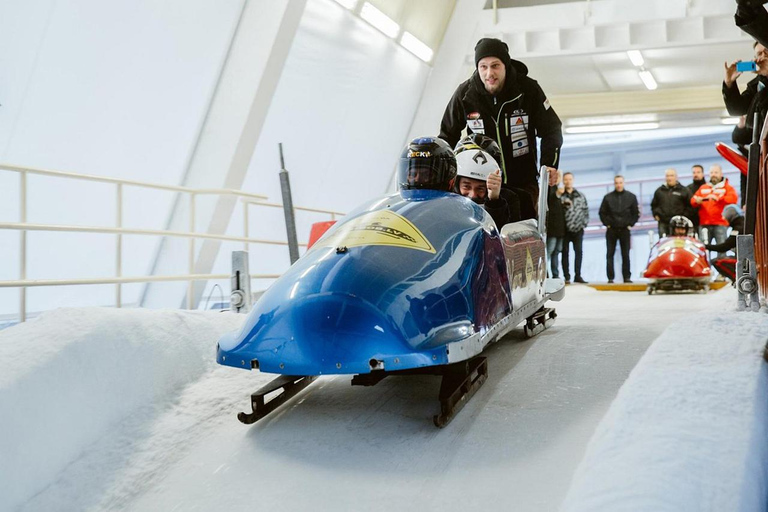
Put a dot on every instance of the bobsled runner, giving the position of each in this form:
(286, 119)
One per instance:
(678, 263)
(417, 282)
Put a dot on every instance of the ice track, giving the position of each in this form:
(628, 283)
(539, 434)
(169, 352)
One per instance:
(515, 446)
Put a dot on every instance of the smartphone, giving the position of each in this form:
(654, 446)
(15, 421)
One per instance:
(746, 66)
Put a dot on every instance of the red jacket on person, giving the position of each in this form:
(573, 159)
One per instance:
(715, 198)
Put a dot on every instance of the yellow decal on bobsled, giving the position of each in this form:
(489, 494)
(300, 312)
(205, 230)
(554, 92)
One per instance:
(378, 228)
(528, 266)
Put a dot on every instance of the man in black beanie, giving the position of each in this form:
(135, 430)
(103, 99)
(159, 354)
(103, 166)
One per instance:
(502, 102)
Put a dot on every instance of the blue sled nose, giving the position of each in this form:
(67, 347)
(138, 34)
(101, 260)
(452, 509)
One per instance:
(320, 334)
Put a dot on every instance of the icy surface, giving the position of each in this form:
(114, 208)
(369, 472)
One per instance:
(689, 429)
(72, 378)
(127, 410)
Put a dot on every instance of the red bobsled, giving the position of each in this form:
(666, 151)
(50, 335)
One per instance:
(678, 263)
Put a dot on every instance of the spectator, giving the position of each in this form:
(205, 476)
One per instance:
(698, 180)
(500, 100)
(576, 219)
(555, 227)
(619, 212)
(669, 200)
(754, 99)
(710, 200)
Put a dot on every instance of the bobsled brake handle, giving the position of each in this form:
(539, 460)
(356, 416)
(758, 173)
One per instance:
(543, 192)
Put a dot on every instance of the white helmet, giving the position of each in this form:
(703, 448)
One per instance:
(475, 164)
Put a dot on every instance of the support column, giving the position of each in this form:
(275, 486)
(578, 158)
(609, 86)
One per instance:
(228, 137)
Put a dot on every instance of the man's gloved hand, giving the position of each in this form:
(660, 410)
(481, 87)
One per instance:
(494, 185)
(553, 173)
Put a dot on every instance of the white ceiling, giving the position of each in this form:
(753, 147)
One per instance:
(577, 52)
(688, 66)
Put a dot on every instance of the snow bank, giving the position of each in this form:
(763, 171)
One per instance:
(689, 428)
(59, 394)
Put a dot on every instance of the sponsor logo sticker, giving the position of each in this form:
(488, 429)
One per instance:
(378, 228)
(475, 124)
(473, 115)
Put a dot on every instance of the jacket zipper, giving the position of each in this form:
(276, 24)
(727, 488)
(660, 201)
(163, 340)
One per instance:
(498, 133)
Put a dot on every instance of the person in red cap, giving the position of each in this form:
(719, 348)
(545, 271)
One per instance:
(501, 101)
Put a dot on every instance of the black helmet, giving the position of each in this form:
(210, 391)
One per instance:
(427, 162)
(479, 141)
(679, 221)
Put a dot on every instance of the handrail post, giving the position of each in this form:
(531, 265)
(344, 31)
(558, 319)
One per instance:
(119, 245)
(191, 261)
(290, 219)
(23, 246)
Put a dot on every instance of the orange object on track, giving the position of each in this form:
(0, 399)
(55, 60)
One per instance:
(318, 230)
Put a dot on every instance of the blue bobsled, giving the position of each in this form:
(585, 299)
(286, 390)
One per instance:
(420, 281)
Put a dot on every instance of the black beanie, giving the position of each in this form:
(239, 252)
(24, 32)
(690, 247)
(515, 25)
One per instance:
(489, 47)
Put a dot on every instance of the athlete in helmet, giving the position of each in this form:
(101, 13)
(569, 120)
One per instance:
(479, 179)
(428, 163)
(680, 226)
(523, 207)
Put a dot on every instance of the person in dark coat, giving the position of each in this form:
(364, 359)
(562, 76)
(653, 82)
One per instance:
(697, 172)
(669, 200)
(555, 228)
(576, 219)
(501, 101)
(754, 99)
(619, 211)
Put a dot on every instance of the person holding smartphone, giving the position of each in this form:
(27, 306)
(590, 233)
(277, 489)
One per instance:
(754, 99)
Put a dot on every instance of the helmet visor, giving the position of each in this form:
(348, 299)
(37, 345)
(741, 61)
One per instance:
(431, 173)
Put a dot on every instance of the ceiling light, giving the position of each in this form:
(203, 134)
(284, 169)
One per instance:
(635, 56)
(602, 128)
(379, 20)
(729, 120)
(648, 80)
(416, 47)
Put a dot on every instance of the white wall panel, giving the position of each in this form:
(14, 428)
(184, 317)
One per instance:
(109, 88)
(342, 110)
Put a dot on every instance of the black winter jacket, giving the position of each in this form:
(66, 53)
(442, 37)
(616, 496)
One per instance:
(691, 212)
(753, 100)
(555, 214)
(619, 209)
(505, 209)
(670, 201)
(514, 118)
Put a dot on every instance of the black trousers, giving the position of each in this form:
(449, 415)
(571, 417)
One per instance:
(575, 238)
(622, 235)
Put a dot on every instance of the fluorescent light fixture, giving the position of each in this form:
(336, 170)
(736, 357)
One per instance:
(379, 20)
(603, 128)
(634, 55)
(416, 47)
(648, 80)
(729, 120)
(349, 4)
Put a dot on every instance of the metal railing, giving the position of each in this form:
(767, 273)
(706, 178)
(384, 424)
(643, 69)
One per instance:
(118, 230)
(761, 216)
